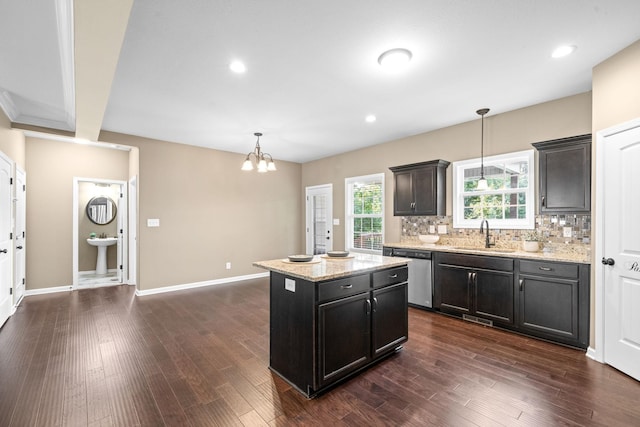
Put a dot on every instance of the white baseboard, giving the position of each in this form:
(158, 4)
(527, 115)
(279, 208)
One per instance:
(42, 291)
(200, 284)
(592, 354)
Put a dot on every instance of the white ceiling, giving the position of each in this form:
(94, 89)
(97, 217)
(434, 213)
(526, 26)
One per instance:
(312, 72)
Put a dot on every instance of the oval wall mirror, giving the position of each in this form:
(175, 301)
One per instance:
(101, 210)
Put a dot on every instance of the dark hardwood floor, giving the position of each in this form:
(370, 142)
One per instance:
(104, 357)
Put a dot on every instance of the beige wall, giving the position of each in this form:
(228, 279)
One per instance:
(11, 141)
(51, 167)
(504, 132)
(210, 213)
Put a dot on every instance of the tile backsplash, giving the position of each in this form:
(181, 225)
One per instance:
(552, 228)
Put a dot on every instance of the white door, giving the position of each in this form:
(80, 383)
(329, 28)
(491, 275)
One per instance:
(319, 214)
(20, 235)
(619, 152)
(6, 244)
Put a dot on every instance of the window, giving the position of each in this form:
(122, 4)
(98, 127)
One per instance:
(364, 214)
(509, 200)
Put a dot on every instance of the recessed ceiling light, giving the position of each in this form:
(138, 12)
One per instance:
(370, 118)
(237, 67)
(562, 51)
(395, 59)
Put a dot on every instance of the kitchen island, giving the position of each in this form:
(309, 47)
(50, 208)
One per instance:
(333, 317)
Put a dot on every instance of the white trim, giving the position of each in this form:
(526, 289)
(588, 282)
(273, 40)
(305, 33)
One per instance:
(122, 224)
(74, 140)
(194, 285)
(8, 106)
(45, 291)
(591, 354)
(598, 352)
(458, 180)
(64, 15)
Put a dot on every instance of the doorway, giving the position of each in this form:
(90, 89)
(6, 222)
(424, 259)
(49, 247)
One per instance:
(6, 242)
(20, 241)
(617, 262)
(319, 213)
(99, 232)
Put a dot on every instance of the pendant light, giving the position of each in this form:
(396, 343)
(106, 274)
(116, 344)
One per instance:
(263, 160)
(482, 182)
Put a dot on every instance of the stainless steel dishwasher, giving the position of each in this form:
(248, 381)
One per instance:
(420, 287)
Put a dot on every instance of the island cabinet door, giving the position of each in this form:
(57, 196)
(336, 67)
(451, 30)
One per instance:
(344, 336)
(389, 318)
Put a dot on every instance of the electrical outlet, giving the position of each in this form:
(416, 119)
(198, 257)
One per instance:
(153, 222)
(228, 266)
(432, 229)
(442, 229)
(567, 231)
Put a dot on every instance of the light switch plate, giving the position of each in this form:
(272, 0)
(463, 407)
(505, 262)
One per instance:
(442, 229)
(336, 221)
(432, 229)
(153, 222)
(567, 231)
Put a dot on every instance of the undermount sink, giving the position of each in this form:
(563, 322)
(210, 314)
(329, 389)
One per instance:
(102, 243)
(500, 250)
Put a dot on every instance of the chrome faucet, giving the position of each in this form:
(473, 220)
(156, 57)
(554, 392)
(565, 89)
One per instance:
(486, 243)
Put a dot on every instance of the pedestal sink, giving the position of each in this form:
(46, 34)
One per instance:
(102, 243)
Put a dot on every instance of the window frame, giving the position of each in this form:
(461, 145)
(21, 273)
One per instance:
(458, 192)
(350, 216)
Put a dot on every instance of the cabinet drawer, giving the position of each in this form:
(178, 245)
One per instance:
(391, 276)
(343, 287)
(476, 261)
(555, 269)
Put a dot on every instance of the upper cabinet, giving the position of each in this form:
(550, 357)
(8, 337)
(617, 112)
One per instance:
(564, 175)
(420, 188)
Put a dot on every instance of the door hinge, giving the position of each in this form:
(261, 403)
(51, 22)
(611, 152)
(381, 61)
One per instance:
(121, 231)
(120, 266)
(24, 187)
(10, 291)
(10, 236)
(121, 195)
(10, 181)
(23, 280)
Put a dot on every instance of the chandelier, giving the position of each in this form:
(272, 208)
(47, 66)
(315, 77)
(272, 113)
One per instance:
(264, 161)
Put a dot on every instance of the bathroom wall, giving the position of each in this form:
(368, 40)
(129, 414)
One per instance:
(87, 254)
(51, 167)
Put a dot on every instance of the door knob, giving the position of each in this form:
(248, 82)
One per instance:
(3, 251)
(608, 261)
(18, 247)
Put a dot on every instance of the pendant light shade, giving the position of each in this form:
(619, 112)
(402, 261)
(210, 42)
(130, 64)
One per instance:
(264, 161)
(482, 182)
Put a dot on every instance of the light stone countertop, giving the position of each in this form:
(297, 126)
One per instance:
(331, 268)
(567, 256)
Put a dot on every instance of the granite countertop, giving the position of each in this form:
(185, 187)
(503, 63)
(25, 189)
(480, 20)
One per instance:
(325, 268)
(566, 256)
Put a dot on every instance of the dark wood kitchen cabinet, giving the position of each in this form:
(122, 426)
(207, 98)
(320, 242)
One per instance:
(473, 285)
(420, 188)
(554, 301)
(564, 175)
(322, 332)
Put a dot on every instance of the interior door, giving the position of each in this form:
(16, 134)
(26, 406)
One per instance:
(620, 255)
(6, 244)
(319, 212)
(20, 236)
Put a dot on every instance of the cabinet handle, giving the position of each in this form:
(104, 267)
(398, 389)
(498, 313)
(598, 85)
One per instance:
(393, 276)
(375, 304)
(368, 306)
(521, 284)
(545, 268)
(543, 201)
(469, 279)
(349, 286)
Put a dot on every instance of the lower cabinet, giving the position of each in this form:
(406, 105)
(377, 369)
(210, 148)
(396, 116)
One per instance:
(475, 285)
(554, 301)
(321, 332)
(544, 299)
